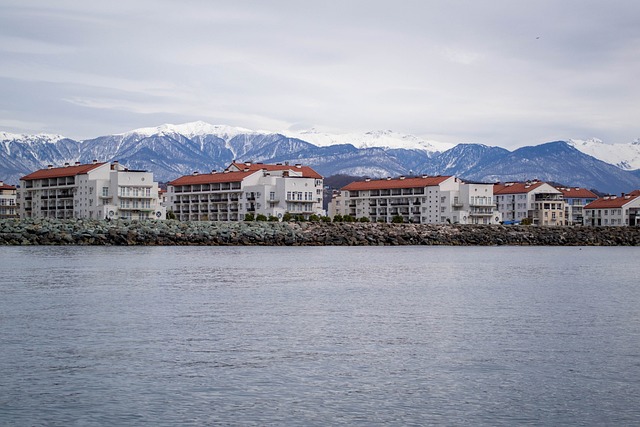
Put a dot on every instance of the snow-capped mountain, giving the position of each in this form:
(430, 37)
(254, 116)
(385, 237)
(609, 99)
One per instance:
(385, 138)
(192, 129)
(625, 156)
(556, 162)
(170, 151)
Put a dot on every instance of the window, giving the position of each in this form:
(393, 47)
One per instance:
(272, 195)
(105, 191)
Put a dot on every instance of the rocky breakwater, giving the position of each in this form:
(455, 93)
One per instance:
(93, 232)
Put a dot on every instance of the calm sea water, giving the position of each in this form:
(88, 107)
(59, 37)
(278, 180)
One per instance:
(319, 336)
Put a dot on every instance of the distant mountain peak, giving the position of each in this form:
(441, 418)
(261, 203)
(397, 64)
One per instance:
(625, 156)
(40, 137)
(371, 139)
(191, 129)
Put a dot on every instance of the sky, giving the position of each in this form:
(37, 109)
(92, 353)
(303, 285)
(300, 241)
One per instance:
(499, 72)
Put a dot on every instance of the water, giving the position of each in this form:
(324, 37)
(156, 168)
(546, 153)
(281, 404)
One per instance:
(319, 336)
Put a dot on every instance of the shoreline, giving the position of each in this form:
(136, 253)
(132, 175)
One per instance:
(84, 232)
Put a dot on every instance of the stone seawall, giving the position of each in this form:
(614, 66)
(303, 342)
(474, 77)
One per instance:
(93, 232)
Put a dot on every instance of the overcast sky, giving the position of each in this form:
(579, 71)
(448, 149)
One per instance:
(508, 73)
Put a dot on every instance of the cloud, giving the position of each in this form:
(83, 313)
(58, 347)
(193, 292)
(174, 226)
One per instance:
(499, 72)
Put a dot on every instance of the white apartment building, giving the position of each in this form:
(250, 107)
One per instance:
(538, 202)
(614, 211)
(8, 199)
(575, 200)
(96, 190)
(247, 188)
(421, 200)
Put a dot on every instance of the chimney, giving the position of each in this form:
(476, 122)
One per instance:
(1, 183)
(66, 165)
(247, 163)
(49, 166)
(245, 170)
(401, 176)
(298, 165)
(94, 161)
(367, 179)
(388, 178)
(77, 164)
(195, 173)
(424, 176)
(213, 171)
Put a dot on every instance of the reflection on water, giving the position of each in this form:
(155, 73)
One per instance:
(319, 336)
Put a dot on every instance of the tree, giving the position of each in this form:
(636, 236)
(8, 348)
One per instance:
(249, 217)
(171, 214)
(261, 217)
(287, 217)
(337, 218)
(364, 219)
(397, 219)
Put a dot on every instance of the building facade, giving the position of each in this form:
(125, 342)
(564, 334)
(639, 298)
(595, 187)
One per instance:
(8, 201)
(575, 201)
(247, 188)
(535, 202)
(420, 200)
(96, 190)
(616, 211)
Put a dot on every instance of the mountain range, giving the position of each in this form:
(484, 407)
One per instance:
(170, 151)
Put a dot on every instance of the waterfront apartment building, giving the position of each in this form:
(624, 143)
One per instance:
(614, 211)
(575, 200)
(8, 201)
(96, 190)
(271, 190)
(421, 200)
(537, 202)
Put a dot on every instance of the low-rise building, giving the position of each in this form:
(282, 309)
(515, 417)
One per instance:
(247, 188)
(8, 201)
(421, 200)
(614, 211)
(575, 200)
(533, 201)
(96, 190)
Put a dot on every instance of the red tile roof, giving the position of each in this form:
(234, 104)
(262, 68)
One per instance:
(609, 202)
(383, 184)
(307, 172)
(61, 172)
(581, 193)
(211, 178)
(7, 187)
(515, 188)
